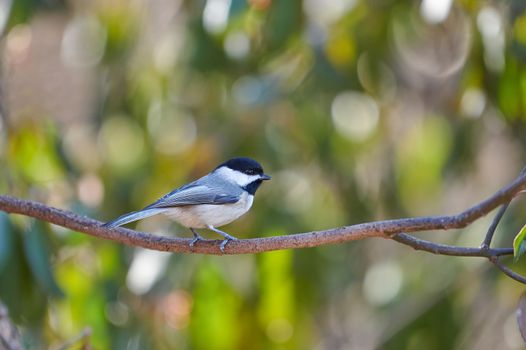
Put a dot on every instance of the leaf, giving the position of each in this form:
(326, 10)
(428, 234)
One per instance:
(6, 240)
(22, 294)
(36, 249)
(519, 246)
(521, 316)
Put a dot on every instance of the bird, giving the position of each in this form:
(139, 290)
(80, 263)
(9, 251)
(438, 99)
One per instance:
(212, 201)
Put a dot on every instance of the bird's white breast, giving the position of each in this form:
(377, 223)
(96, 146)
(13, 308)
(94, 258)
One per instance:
(204, 215)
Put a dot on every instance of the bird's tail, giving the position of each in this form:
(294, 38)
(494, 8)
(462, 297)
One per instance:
(133, 216)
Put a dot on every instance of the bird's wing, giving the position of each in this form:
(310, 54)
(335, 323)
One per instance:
(194, 194)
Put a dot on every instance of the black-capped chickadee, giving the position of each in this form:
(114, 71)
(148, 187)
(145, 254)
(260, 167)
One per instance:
(212, 201)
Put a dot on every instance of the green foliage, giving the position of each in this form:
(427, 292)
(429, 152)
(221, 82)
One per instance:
(6, 240)
(519, 245)
(37, 252)
(25, 298)
(360, 110)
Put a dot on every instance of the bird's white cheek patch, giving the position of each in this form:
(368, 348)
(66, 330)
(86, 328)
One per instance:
(237, 177)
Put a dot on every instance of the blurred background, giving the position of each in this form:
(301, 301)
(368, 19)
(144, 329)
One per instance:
(360, 111)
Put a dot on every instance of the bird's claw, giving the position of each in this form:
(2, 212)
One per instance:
(197, 238)
(194, 241)
(225, 242)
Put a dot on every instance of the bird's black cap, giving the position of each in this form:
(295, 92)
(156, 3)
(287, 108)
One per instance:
(243, 164)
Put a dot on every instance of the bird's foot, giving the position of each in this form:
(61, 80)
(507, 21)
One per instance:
(194, 241)
(225, 241)
(197, 238)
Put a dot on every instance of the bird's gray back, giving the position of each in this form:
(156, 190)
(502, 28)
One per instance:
(210, 189)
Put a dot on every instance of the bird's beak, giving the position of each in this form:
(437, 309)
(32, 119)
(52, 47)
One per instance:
(265, 177)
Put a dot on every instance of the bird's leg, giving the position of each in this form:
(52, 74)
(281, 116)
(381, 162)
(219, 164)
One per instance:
(224, 234)
(197, 237)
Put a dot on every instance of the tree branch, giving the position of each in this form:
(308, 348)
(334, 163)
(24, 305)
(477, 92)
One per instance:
(444, 249)
(483, 251)
(491, 230)
(507, 271)
(385, 229)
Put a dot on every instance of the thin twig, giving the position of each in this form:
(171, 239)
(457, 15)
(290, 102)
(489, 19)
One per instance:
(484, 250)
(444, 249)
(485, 246)
(257, 245)
(491, 230)
(507, 271)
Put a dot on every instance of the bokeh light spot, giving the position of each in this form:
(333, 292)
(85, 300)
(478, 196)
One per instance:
(472, 103)
(519, 29)
(117, 313)
(83, 42)
(215, 15)
(279, 330)
(146, 268)
(172, 133)
(166, 52)
(33, 154)
(489, 23)
(355, 115)
(327, 12)
(382, 282)
(237, 45)
(248, 90)
(18, 42)
(435, 11)
(340, 49)
(90, 190)
(260, 5)
(122, 142)
(296, 189)
(78, 146)
(176, 308)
